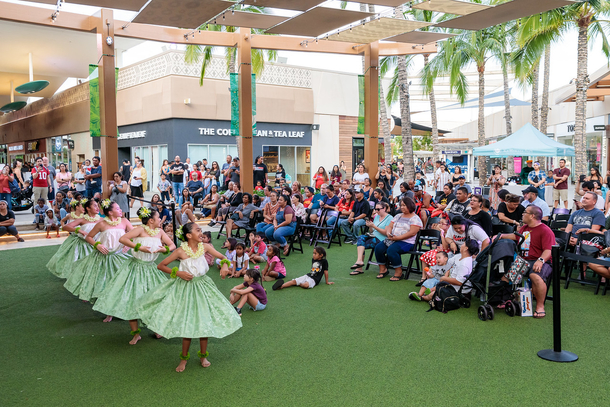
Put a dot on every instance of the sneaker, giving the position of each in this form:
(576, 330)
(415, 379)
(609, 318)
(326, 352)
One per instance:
(349, 241)
(212, 223)
(20, 240)
(414, 296)
(238, 311)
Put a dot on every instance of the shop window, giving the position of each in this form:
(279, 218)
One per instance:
(271, 158)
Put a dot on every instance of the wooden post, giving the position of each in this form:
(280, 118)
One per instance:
(244, 59)
(371, 109)
(108, 115)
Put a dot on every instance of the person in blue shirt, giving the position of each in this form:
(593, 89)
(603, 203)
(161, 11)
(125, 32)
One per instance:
(195, 188)
(317, 198)
(329, 201)
(93, 179)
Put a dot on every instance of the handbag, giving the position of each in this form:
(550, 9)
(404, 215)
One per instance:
(517, 270)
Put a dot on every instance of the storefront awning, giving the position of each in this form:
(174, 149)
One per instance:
(416, 129)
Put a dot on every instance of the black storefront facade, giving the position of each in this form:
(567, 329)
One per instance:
(288, 144)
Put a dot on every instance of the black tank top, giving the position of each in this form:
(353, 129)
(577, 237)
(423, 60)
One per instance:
(126, 172)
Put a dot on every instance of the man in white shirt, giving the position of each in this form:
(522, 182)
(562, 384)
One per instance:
(530, 197)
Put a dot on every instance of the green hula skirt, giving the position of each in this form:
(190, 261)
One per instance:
(72, 249)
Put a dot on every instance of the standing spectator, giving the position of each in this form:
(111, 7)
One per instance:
(359, 177)
(335, 174)
(595, 176)
(442, 178)
(163, 187)
(64, 179)
(6, 177)
(52, 174)
(260, 171)
(320, 177)
(234, 171)
(79, 180)
(118, 193)
(214, 176)
(351, 226)
(525, 171)
(7, 221)
(530, 197)
(496, 181)
(165, 169)
(17, 167)
(94, 179)
(457, 173)
(125, 169)
(41, 182)
(225, 173)
(537, 179)
(560, 187)
(177, 170)
(136, 183)
(280, 175)
(343, 169)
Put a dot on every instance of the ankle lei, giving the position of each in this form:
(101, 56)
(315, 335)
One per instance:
(193, 255)
(112, 222)
(91, 219)
(151, 232)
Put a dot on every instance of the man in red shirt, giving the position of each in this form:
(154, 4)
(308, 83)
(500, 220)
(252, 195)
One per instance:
(539, 240)
(560, 187)
(41, 182)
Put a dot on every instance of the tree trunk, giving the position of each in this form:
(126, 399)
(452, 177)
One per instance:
(544, 110)
(581, 102)
(233, 62)
(508, 118)
(535, 98)
(481, 163)
(436, 148)
(385, 126)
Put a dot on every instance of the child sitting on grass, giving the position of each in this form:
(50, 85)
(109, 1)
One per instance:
(50, 222)
(274, 269)
(434, 275)
(229, 244)
(240, 265)
(319, 268)
(251, 292)
(258, 248)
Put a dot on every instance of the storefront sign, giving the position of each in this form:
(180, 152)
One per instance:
(132, 135)
(599, 127)
(33, 146)
(209, 131)
(71, 144)
(15, 148)
(452, 152)
(58, 145)
(517, 164)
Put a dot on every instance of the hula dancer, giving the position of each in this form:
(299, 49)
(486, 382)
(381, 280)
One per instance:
(91, 274)
(189, 305)
(85, 216)
(139, 274)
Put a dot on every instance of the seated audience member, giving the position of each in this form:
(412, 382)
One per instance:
(378, 225)
(284, 224)
(457, 275)
(316, 201)
(195, 188)
(478, 215)
(433, 276)
(511, 211)
(241, 215)
(7, 222)
(329, 202)
(344, 186)
(461, 230)
(384, 187)
(539, 240)
(210, 202)
(462, 183)
(458, 206)
(587, 219)
(530, 197)
(267, 191)
(269, 212)
(401, 233)
(351, 226)
(368, 190)
(258, 248)
(319, 268)
(299, 209)
(229, 205)
(308, 198)
(487, 206)
(444, 199)
(590, 186)
(344, 207)
(379, 196)
(429, 258)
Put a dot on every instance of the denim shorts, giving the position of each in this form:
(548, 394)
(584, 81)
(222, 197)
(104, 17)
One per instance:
(259, 307)
(431, 283)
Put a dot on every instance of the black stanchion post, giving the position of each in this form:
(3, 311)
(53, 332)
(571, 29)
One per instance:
(556, 354)
(174, 223)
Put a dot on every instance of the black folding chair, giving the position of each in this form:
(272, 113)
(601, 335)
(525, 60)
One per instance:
(582, 237)
(432, 221)
(295, 239)
(425, 241)
(331, 231)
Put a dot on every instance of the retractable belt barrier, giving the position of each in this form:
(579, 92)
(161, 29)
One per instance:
(171, 206)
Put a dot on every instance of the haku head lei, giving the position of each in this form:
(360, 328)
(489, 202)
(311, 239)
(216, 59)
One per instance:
(106, 203)
(74, 203)
(144, 213)
(180, 234)
(84, 201)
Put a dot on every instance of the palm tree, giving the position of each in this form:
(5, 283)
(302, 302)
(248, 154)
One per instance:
(456, 54)
(589, 17)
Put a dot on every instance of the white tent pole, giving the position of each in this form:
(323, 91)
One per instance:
(31, 68)
(12, 92)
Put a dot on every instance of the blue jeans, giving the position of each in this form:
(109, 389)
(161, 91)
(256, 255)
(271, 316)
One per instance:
(7, 197)
(279, 234)
(178, 187)
(331, 221)
(62, 213)
(352, 231)
(262, 227)
(541, 193)
(392, 254)
(165, 196)
(8, 230)
(89, 192)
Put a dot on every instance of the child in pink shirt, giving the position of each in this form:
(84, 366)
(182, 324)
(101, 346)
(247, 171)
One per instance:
(275, 268)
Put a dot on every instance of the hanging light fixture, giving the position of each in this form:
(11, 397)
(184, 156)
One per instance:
(32, 86)
(13, 106)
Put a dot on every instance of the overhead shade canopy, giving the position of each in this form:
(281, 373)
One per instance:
(31, 87)
(249, 20)
(318, 21)
(13, 106)
(504, 12)
(180, 13)
(298, 5)
(420, 37)
(131, 5)
(527, 141)
(377, 29)
(417, 129)
(451, 6)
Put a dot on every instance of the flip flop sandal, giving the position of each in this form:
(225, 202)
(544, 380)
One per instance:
(356, 265)
(355, 273)
(278, 284)
(539, 315)
(382, 275)
(395, 278)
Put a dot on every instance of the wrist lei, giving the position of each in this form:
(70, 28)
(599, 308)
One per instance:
(77, 229)
(166, 249)
(174, 272)
(112, 222)
(203, 355)
(225, 261)
(135, 249)
(194, 255)
(151, 232)
(188, 355)
(95, 245)
(91, 219)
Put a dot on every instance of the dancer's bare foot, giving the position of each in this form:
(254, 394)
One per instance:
(205, 362)
(181, 366)
(107, 319)
(135, 339)
(158, 336)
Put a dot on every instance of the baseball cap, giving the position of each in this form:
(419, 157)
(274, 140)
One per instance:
(417, 188)
(530, 189)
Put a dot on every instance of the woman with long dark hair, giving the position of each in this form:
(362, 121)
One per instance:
(284, 224)
(320, 177)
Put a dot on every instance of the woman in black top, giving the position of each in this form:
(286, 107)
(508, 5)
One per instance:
(230, 205)
(260, 172)
(477, 215)
(378, 196)
(384, 187)
(511, 211)
(457, 172)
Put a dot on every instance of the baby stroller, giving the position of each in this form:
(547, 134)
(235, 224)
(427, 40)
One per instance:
(485, 279)
(22, 200)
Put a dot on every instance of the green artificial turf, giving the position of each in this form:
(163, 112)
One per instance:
(358, 342)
